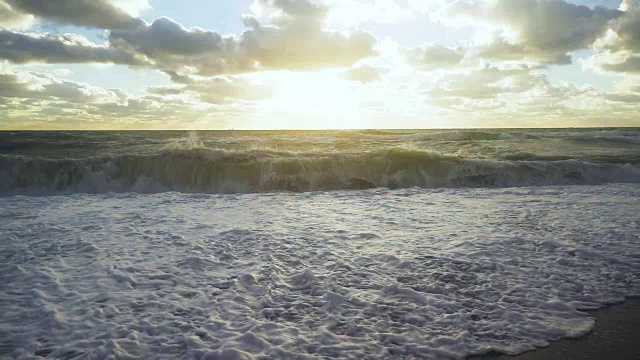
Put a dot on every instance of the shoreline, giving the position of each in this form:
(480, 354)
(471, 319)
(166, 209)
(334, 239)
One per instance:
(615, 336)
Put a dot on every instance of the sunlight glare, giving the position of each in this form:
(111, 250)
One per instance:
(312, 101)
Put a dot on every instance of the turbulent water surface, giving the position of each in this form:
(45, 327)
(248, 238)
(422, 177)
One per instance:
(296, 245)
(231, 162)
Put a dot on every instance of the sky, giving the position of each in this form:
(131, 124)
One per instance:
(318, 64)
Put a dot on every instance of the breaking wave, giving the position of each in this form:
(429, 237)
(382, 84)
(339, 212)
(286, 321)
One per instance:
(611, 136)
(463, 135)
(196, 168)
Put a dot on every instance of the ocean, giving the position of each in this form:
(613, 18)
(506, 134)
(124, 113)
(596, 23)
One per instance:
(376, 244)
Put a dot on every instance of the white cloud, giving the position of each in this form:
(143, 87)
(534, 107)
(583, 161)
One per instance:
(35, 85)
(544, 31)
(218, 90)
(435, 56)
(105, 14)
(619, 49)
(39, 100)
(12, 19)
(289, 59)
(292, 39)
(22, 48)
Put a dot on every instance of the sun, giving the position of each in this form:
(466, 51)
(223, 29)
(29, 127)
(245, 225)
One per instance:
(311, 101)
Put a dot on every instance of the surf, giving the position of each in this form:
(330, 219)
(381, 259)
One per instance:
(196, 168)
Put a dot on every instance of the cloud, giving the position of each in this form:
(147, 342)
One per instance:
(22, 48)
(292, 39)
(501, 49)
(221, 90)
(435, 56)
(627, 28)
(623, 97)
(629, 64)
(172, 48)
(167, 37)
(486, 83)
(34, 85)
(299, 47)
(365, 73)
(214, 80)
(619, 50)
(166, 90)
(543, 31)
(218, 90)
(522, 96)
(12, 19)
(106, 14)
(41, 100)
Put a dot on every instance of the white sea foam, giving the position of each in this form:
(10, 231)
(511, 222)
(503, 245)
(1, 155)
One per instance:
(376, 273)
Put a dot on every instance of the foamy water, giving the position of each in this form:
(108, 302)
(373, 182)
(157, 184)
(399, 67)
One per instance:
(376, 274)
(450, 260)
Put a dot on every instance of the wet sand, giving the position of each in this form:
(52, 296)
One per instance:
(615, 336)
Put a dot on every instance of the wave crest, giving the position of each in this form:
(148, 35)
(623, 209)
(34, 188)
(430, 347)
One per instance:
(195, 168)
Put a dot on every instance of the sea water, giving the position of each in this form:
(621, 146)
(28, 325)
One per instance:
(351, 244)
